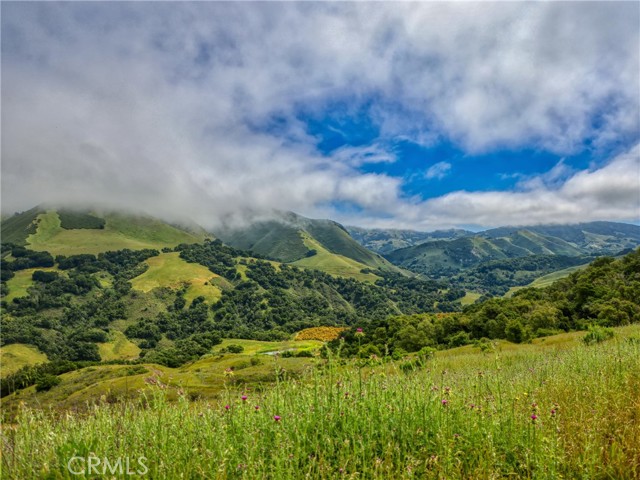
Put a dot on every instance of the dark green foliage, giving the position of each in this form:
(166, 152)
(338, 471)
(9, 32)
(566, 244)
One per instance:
(233, 348)
(605, 294)
(84, 262)
(47, 382)
(71, 220)
(44, 276)
(28, 259)
(29, 375)
(214, 255)
(597, 334)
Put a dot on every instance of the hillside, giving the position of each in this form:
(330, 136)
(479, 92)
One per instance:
(171, 307)
(64, 232)
(494, 411)
(286, 238)
(495, 260)
(385, 241)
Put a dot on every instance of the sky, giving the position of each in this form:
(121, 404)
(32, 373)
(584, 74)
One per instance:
(391, 115)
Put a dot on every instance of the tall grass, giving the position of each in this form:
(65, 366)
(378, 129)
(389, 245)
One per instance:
(542, 413)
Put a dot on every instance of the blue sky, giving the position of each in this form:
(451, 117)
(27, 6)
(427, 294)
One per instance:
(405, 115)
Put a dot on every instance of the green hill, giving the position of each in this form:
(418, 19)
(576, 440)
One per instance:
(63, 232)
(383, 241)
(498, 259)
(17, 228)
(285, 238)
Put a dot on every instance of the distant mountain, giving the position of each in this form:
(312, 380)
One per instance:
(601, 238)
(292, 238)
(385, 241)
(491, 261)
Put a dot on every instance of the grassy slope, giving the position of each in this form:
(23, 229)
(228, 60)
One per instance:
(17, 228)
(121, 231)
(19, 284)
(205, 377)
(118, 348)
(548, 279)
(169, 270)
(468, 414)
(14, 357)
(332, 263)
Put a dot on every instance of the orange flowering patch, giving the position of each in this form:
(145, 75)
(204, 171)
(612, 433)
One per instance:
(324, 334)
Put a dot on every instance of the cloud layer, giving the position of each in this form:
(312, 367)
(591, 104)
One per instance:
(201, 107)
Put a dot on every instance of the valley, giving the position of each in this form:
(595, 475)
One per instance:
(128, 312)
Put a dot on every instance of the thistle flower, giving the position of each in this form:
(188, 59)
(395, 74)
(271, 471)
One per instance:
(244, 398)
(227, 407)
(534, 417)
(444, 402)
(257, 407)
(276, 418)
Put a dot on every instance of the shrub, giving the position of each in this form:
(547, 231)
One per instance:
(597, 334)
(47, 382)
(233, 348)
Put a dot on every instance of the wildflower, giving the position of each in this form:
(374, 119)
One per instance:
(444, 402)
(227, 407)
(358, 330)
(534, 417)
(257, 407)
(346, 394)
(228, 372)
(244, 398)
(553, 412)
(276, 418)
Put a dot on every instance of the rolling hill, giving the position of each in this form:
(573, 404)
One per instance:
(64, 232)
(385, 241)
(492, 261)
(288, 236)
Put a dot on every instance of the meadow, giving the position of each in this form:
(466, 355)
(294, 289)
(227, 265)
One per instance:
(120, 231)
(556, 408)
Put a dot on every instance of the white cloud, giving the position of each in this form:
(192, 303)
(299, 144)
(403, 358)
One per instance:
(162, 106)
(438, 170)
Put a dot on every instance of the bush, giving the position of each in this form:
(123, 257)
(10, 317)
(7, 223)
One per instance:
(43, 276)
(233, 348)
(305, 354)
(597, 334)
(47, 382)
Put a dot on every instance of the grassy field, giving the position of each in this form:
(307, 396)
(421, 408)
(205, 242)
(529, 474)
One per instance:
(556, 409)
(206, 378)
(21, 281)
(119, 348)
(470, 298)
(169, 270)
(120, 232)
(14, 357)
(332, 263)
